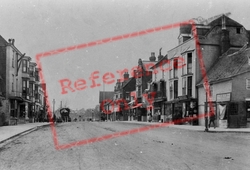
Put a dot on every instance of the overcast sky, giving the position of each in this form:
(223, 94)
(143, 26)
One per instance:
(43, 25)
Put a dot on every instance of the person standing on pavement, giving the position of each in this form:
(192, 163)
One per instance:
(211, 118)
(150, 117)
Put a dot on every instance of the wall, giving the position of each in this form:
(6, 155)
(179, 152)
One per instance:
(240, 93)
(209, 55)
(3, 68)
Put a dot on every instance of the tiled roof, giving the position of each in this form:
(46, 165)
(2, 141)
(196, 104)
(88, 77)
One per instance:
(228, 66)
(105, 95)
(160, 61)
(3, 42)
(231, 50)
(127, 81)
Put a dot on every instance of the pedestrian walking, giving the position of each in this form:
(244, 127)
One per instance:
(150, 117)
(211, 118)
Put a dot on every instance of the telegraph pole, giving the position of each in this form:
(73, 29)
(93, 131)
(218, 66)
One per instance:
(53, 107)
(92, 115)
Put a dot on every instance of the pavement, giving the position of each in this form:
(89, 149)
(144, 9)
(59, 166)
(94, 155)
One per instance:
(10, 132)
(196, 128)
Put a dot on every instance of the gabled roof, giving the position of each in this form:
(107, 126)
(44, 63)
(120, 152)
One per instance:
(228, 66)
(160, 62)
(126, 82)
(146, 65)
(3, 42)
(228, 21)
(105, 95)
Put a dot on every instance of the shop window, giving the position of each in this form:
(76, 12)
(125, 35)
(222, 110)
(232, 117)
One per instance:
(233, 108)
(248, 84)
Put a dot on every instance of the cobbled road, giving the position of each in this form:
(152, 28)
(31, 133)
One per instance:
(162, 148)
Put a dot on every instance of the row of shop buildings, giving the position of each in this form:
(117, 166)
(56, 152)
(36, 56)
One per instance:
(208, 71)
(22, 96)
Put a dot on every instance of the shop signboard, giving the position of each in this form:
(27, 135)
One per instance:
(223, 97)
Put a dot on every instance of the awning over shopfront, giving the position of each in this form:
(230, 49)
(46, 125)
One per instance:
(16, 98)
(131, 102)
(143, 105)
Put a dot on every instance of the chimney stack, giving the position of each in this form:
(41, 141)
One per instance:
(225, 40)
(12, 41)
(126, 76)
(152, 57)
(160, 56)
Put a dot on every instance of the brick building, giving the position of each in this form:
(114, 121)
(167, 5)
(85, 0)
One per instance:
(143, 75)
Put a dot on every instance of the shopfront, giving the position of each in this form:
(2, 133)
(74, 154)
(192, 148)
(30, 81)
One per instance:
(185, 107)
(227, 112)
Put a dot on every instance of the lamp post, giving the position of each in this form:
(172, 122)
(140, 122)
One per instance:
(206, 116)
(92, 115)
(54, 107)
(206, 87)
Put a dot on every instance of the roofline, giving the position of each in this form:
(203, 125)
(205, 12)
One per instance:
(223, 79)
(156, 64)
(192, 38)
(130, 79)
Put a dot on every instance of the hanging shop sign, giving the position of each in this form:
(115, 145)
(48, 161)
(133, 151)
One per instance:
(223, 97)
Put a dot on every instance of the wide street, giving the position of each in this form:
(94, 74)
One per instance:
(161, 148)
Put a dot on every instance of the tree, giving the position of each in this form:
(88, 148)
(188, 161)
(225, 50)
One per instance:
(97, 112)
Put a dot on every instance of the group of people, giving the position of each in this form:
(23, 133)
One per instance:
(155, 117)
(212, 118)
